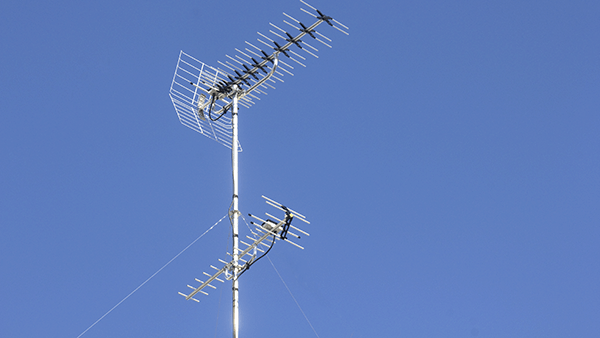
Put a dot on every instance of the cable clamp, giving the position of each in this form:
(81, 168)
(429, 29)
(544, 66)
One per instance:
(235, 212)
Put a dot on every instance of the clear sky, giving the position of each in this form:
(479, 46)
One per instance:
(447, 154)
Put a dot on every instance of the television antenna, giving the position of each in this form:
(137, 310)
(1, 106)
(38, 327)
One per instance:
(204, 95)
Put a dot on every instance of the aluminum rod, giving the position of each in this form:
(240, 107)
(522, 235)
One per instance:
(279, 204)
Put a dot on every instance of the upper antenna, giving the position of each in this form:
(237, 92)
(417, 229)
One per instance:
(203, 95)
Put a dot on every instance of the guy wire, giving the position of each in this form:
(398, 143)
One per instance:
(149, 278)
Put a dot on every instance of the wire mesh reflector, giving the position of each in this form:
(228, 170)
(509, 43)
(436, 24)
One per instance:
(189, 99)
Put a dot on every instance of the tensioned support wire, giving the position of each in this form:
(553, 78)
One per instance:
(154, 274)
(290, 291)
(294, 298)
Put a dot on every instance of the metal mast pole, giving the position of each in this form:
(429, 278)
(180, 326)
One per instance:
(235, 212)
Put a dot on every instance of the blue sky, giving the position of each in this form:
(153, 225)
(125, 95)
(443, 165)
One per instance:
(446, 154)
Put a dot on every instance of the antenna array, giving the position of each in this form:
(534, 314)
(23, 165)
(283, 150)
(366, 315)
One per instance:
(202, 95)
(263, 238)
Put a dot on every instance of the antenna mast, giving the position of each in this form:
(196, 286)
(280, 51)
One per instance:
(235, 216)
(199, 90)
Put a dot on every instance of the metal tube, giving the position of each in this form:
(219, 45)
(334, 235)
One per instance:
(235, 211)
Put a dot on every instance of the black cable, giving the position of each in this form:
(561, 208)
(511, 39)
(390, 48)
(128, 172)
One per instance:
(282, 235)
(212, 104)
(288, 222)
(249, 264)
(223, 113)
